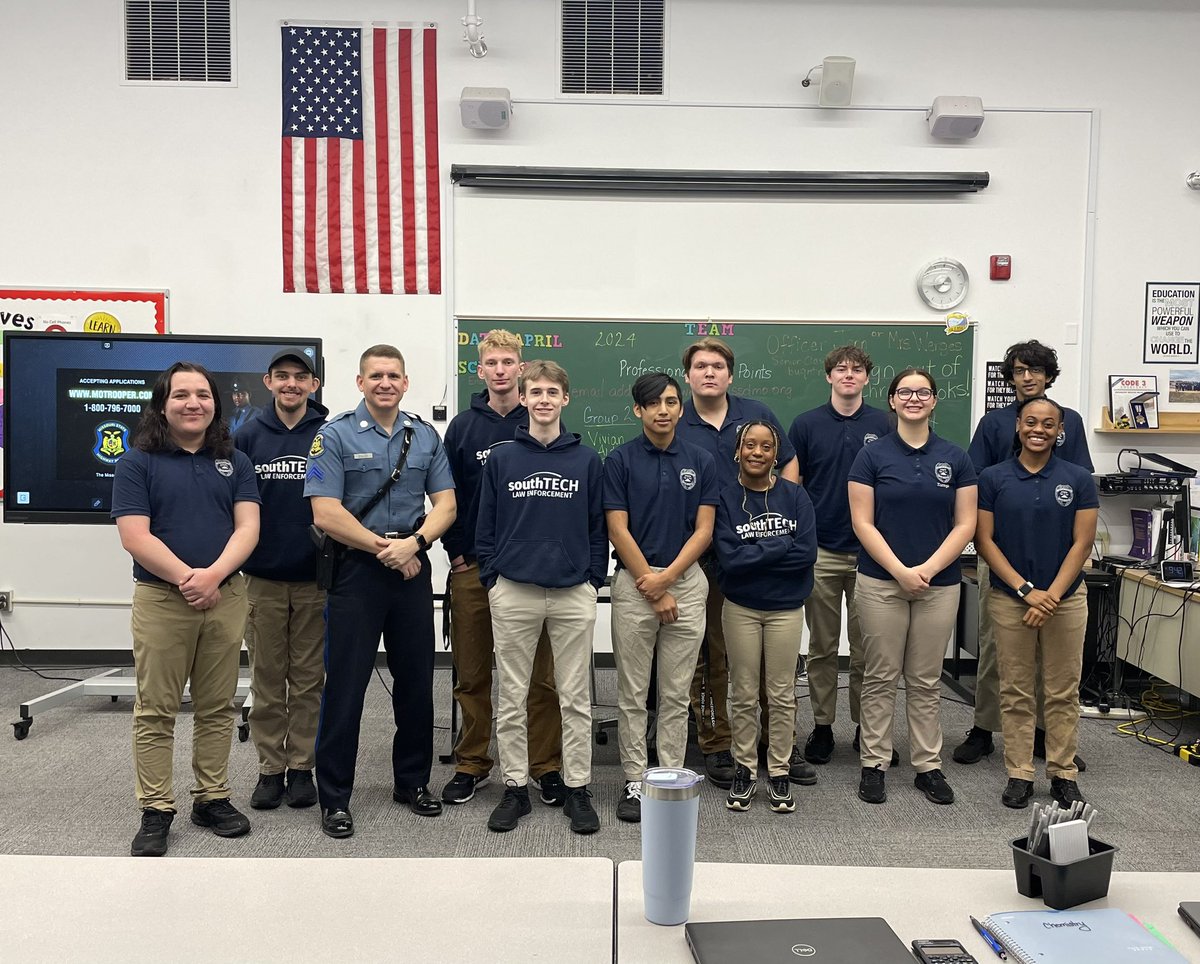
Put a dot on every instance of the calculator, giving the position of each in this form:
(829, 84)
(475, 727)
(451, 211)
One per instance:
(942, 952)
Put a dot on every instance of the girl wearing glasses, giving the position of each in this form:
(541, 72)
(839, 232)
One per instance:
(766, 541)
(912, 503)
(1037, 520)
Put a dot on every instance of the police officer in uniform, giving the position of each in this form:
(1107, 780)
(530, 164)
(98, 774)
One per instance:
(383, 584)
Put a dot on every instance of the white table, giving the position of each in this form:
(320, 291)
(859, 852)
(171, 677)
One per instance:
(916, 902)
(110, 909)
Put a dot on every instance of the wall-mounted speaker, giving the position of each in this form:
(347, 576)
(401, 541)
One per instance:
(955, 118)
(837, 81)
(485, 108)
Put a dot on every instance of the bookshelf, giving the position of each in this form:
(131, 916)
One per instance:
(1169, 423)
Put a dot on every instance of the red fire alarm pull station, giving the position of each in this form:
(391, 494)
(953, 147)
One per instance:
(1001, 267)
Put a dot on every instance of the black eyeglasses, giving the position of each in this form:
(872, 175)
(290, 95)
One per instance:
(1031, 370)
(924, 394)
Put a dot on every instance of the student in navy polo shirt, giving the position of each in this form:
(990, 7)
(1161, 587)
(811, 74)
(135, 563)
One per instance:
(1037, 522)
(660, 497)
(912, 501)
(493, 417)
(826, 440)
(186, 506)
(711, 419)
(543, 555)
(1031, 368)
(766, 545)
(285, 632)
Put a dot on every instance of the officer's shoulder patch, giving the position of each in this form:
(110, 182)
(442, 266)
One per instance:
(318, 446)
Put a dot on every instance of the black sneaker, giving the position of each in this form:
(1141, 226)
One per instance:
(858, 749)
(151, 839)
(462, 787)
(629, 808)
(779, 792)
(870, 785)
(1017, 793)
(933, 784)
(553, 790)
(975, 747)
(269, 793)
(719, 767)
(799, 771)
(221, 817)
(741, 789)
(1039, 749)
(818, 748)
(1065, 791)
(512, 807)
(579, 810)
(301, 791)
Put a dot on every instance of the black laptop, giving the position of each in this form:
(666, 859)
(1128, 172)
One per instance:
(836, 940)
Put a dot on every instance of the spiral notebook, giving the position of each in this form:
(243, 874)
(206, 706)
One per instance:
(1107, 936)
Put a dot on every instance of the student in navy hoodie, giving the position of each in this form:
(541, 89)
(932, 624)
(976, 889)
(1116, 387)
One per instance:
(766, 540)
(493, 417)
(542, 547)
(285, 631)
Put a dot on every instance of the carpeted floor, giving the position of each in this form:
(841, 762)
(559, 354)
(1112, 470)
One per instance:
(67, 789)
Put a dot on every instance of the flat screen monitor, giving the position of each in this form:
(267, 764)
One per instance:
(72, 401)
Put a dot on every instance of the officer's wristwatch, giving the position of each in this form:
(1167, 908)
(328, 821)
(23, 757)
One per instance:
(423, 543)
(1025, 589)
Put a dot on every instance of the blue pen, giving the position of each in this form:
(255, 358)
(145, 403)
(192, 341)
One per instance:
(992, 942)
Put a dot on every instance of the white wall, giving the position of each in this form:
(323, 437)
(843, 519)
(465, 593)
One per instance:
(107, 185)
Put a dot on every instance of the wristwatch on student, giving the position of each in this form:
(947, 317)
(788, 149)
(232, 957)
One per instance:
(1025, 589)
(423, 543)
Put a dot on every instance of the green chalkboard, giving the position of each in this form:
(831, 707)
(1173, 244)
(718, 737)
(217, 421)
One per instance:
(781, 364)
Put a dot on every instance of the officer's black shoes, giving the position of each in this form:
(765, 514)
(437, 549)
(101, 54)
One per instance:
(933, 784)
(553, 790)
(1039, 749)
(818, 748)
(975, 747)
(870, 785)
(221, 817)
(337, 823)
(719, 767)
(419, 800)
(512, 807)
(858, 747)
(301, 791)
(269, 793)
(629, 807)
(579, 810)
(799, 770)
(462, 787)
(151, 839)
(1065, 791)
(1017, 793)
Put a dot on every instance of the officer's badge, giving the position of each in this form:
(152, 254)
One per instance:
(1062, 437)
(1064, 495)
(224, 466)
(112, 441)
(687, 478)
(943, 472)
(318, 446)
(869, 438)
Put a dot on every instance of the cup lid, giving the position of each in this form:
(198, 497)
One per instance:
(667, 782)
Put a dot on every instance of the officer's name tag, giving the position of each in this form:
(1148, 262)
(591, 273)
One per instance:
(364, 455)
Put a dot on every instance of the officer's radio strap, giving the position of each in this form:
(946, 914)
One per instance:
(393, 478)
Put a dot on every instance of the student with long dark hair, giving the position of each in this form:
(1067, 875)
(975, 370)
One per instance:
(1037, 521)
(766, 538)
(912, 502)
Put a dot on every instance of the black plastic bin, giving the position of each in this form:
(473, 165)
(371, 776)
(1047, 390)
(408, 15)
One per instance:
(1064, 885)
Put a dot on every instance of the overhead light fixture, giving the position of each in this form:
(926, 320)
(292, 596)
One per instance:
(837, 81)
(472, 34)
(955, 118)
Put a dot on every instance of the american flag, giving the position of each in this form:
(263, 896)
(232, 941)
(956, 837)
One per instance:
(361, 211)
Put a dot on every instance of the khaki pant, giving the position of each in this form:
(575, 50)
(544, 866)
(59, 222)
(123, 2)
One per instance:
(637, 634)
(710, 682)
(834, 576)
(1059, 647)
(987, 674)
(285, 636)
(763, 644)
(519, 613)
(172, 644)
(471, 639)
(903, 633)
